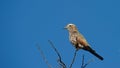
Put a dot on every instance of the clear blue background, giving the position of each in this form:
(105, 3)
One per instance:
(24, 23)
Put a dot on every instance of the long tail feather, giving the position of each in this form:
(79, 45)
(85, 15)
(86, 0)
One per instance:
(94, 53)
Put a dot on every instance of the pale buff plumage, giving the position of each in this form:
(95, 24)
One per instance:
(78, 40)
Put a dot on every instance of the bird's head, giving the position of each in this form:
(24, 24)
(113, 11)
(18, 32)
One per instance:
(71, 27)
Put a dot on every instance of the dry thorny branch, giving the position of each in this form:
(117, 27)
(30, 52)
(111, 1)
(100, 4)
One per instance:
(60, 62)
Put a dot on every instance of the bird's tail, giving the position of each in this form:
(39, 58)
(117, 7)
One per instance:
(94, 53)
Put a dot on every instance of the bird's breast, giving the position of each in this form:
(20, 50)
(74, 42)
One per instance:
(72, 38)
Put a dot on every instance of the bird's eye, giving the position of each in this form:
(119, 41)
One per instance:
(70, 25)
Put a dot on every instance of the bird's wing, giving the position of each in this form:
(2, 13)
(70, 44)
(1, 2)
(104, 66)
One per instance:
(81, 40)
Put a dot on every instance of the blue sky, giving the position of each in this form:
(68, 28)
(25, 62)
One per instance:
(24, 23)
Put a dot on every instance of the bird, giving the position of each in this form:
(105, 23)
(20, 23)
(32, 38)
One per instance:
(78, 40)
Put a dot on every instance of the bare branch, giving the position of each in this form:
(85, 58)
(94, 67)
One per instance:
(61, 63)
(87, 63)
(84, 65)
(73, 58)
(43, 56)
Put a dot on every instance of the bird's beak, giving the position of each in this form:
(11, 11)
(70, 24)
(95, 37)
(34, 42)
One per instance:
(65, 27)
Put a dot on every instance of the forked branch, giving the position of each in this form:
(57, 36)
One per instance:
(61, 63)
(84, 65)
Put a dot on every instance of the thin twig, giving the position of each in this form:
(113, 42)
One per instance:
(61, 63)
(43, 56)
(84, 65)
(73, 58)
(87, 63)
